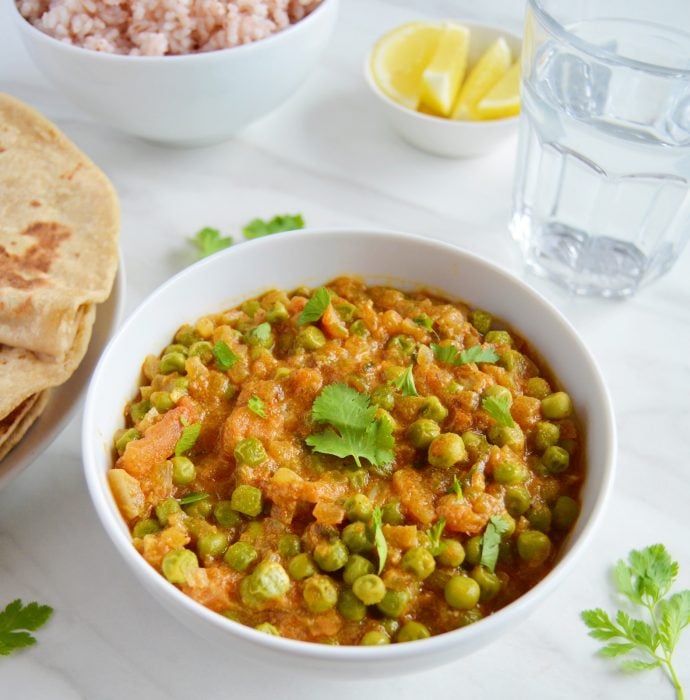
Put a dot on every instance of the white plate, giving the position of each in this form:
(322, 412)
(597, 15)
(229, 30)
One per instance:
(65, 399)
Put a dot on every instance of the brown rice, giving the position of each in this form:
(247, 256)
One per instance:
(162, 27)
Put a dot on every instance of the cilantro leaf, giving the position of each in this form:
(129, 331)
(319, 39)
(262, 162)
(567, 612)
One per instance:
(491, 539)
(209, 241)
(259, 335)
(379, 538)
(257, 228)
(315, 307)
(456, 488)
(452, 356)
(644, 579)
(499, 409)
(355, 431)
(405, 382)
(256, 405)
(425, 322)
(192, 498)
(190, 434)
(17, 620)
(225, 357)
(434, 534)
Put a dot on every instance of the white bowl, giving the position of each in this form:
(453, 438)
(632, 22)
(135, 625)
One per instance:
(190, 99)
(452, 138)
(312, 257)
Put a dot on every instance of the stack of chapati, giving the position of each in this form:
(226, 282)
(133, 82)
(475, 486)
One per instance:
(59, 223)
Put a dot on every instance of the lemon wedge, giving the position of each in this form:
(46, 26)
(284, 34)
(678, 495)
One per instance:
(488, 70)
(442, 77)
(503, 100)
(399, 58)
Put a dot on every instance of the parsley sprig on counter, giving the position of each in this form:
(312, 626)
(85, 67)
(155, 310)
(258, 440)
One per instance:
(17, 620)
(645, 580)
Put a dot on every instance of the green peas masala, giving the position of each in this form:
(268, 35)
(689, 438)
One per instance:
(351, 465)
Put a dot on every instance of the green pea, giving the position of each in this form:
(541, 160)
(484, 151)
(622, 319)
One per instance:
(390, 626)
(557, 405)
(289, 545)
(392, 514)
(358, 507)
(211, 544)
(356, 566)
(310, 338)
(462, 592)
(320, 593)
(172, 362)
(420, 561)
(565, 512)
(184, 471)
(498, 392)
(517, 500)
(357, 538)
(402, 344)
(510, 473)
(148, 526)
(475, 444)
(261, 336)
(301, 566)
(351, 607)
(537, 388)
(268, 581)
(411, 631)
(533, 546)
(251, 307)
(359, 328)
(331, 556)
(138, 410)
(277, 313)
(165, 509)
(481, 320)
(498, 338)
(387, 419)
(161, 401)
(433, 409)
(422, 432)
(199, 509)
(250, 451)
(446, 450)
(375, 638)
(539, 517)
(359, 478)
(473, 550)
(370, 589)
(187, 335)
(203, 350)
(503, 435)
(180, 388)
(176, 347)
(452, 553)
(394, 603)
(125, 439)
(179, 565)
(513, 361)
(546, 435)
(247, 500)
(240, 556)
(268, 628)
(226, 515)
(555, 459)
(489, 583)
(384, 397)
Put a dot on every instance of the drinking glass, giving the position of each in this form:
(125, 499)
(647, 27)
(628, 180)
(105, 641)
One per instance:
(601, 199)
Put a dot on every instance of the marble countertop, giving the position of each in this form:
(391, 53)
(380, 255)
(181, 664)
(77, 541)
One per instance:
(328, 154)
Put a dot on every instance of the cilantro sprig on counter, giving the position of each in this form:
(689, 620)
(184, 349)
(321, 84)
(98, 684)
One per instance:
(17, 621)
(645, 580)
(208, 241)
(354, 429)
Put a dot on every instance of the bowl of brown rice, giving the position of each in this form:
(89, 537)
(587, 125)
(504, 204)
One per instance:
(177, 72)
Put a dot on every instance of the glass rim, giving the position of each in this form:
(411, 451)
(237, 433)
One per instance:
(556, 28)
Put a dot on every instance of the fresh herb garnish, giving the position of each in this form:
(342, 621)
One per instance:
(17, 620)
(225, 357)
(256, 405)
(379, 538)
(499, 409)
(645, 581)
(315, 307)
(425, 322)
(209, 241)
(192, 498)
(355, 431)
(491, 539)
(257, 228)
(456, 488)
(188, 438)
(452, 356)
(405, 382)
(434, 534)
(261, 334)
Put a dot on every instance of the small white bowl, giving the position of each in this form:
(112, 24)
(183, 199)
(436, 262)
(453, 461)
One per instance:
(190, 99)
(449, 137)
(312, 257)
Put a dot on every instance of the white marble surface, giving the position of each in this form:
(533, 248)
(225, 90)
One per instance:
(327, 154)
